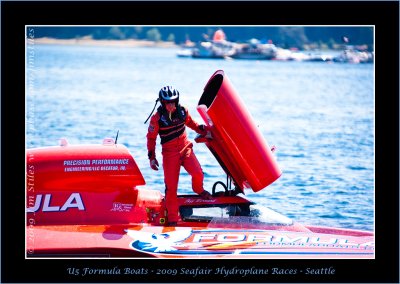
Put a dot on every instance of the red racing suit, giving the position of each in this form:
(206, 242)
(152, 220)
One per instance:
(177, 151)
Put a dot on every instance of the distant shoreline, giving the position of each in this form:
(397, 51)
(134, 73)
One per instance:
(105, 42)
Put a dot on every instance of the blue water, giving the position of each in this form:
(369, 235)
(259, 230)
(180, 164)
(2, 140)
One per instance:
(319, 115)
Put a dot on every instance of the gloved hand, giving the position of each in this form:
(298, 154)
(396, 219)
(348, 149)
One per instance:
(203, 128)
(154, 164)
(153, 161)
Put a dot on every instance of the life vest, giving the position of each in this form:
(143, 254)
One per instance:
(171, 128)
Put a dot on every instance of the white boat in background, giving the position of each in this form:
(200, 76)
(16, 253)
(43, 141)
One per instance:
(255, 50)
(214, 49)
(217, 47)
(354, 56)
(283, 54)
(185, 52)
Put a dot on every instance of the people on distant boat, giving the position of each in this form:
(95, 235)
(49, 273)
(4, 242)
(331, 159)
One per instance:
(170, 123)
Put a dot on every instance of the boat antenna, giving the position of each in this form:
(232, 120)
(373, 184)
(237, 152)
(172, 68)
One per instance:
(116, 138)
(152, 110)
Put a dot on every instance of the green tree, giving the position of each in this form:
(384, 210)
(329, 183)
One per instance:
(171, 37)
(137, 32)
(153, 34)
(116, 33)
(292, 36)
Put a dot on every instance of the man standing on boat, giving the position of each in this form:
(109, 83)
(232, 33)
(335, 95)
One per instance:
(170, 123)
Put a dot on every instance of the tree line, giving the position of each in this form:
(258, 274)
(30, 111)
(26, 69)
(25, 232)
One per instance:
(286, 36)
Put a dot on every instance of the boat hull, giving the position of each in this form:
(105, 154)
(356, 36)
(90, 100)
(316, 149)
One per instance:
(195, 242)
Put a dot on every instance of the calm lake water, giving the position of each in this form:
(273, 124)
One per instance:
(319, 115)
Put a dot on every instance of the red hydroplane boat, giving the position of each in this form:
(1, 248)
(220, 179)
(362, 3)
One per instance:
(86, 200)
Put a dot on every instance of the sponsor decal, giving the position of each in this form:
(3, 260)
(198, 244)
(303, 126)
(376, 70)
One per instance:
(167, 242)
(197, 200)
(45, 204)
(95, 165)
(186, 241)
(121, 207)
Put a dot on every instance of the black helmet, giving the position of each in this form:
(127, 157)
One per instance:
(168, 94)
